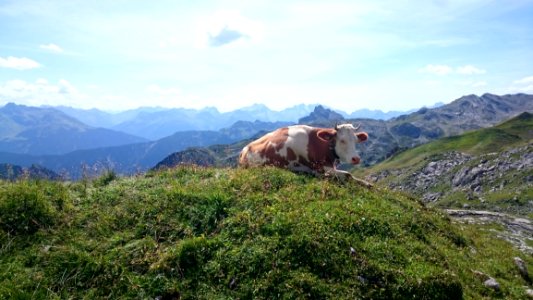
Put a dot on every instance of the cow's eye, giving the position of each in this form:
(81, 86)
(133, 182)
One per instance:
(343, 142)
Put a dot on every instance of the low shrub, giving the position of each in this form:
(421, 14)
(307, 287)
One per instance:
(25, 207)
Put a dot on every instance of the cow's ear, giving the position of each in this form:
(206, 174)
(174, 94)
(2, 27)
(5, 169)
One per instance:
(361, 136)
(326, 135)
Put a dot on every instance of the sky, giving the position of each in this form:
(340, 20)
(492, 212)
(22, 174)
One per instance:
(353, 54)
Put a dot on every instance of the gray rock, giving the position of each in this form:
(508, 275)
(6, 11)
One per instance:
(431, 197)
(461, 178)
(522, 267)
(492, 283)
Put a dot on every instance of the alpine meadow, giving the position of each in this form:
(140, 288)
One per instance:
(222, 149)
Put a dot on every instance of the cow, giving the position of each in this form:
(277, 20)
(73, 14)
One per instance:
(302, 148)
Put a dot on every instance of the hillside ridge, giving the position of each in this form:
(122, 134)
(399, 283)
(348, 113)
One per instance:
(489, 168)
(203, 233)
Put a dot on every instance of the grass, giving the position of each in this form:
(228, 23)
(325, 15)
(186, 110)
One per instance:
(512, 133)
(205, 233)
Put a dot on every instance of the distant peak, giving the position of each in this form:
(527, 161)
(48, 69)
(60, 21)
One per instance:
(321, 114)
(12, 105)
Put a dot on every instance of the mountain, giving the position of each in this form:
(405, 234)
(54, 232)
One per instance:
(389, 137)
(221, 155)
(98, 118)
(427, 124)
(134, 158)
(159, 124)
(14, 172)
(386, 137)
(321, 117)
(38, 131)
(155, 125)
(490, 168)
(375, 114)
(207, 233)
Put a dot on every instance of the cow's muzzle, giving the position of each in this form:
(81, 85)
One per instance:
(356, 160)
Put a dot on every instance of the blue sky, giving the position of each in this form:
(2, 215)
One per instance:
(388, 55)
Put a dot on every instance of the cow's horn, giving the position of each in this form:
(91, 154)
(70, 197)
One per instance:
(357, 126)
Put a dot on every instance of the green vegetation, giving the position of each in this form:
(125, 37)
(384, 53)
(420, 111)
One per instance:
(512, 133)
(208, 233)
(484, 169)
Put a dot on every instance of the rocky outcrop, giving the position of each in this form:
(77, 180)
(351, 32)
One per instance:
(474, 177)
(321, 115)
(517, 231)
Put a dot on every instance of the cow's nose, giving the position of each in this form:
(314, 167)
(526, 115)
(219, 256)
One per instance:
(355, 160)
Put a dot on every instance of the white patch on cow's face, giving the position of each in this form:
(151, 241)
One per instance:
(345, 144)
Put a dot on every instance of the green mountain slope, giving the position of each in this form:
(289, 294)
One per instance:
(489, 168)
(205, 233)
(517, 131)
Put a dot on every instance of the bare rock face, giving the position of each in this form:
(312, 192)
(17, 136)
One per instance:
(473, 175)
(321, 115)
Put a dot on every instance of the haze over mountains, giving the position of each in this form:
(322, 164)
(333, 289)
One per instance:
(154, 122)
(33, 130)
(44, 135)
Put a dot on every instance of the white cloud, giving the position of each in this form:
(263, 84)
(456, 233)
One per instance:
(470, 70)
(523, 85)
(51, 47)
(525, 80)
(447, 70)
(19, 63)
(66, 88)
(437, 69)
(41, 92)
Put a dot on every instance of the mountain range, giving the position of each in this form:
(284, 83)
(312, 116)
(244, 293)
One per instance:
(132, 158)
(387, 137)
(157, 123)
(41, 131)
(154, 123)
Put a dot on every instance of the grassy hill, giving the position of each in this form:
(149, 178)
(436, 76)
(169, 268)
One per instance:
(489, 168)
(514, 132)
(208, 233)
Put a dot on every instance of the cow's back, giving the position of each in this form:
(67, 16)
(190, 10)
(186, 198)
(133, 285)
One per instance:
(295, 147)
(265, 150)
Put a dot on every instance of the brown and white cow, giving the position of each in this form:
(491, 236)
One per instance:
(302, 148)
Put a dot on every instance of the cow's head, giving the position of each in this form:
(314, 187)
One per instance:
(345, 137)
